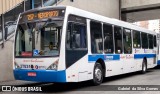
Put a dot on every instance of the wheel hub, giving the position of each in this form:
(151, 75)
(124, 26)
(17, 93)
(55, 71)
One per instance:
(98, 74)
(144, 67)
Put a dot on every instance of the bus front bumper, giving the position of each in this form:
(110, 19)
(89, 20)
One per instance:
(40, 75)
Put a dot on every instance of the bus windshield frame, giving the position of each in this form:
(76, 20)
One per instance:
(47, 31)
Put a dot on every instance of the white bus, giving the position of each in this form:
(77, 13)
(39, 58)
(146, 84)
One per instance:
(67, 44)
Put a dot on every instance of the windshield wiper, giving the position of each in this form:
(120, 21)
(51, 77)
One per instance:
(39, 27)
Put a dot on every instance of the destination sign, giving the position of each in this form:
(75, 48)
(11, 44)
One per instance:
(42, 15)
(38, 15)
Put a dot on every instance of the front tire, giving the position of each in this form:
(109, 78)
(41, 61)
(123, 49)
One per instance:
(97, 74)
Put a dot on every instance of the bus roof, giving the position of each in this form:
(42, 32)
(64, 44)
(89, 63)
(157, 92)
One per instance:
(93, 16)
(108, 20)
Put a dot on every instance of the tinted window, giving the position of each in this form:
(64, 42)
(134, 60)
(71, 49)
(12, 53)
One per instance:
(150, 38)
(118, 39)
(37, 3)
(96, 37)
(28, 4)
(108, 38)
(155, 41)
(50, 2)
(136, 39)
(127, 41)
(76, 40)
(144, 40)
(76, 36)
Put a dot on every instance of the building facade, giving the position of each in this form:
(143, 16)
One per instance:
(6, 5)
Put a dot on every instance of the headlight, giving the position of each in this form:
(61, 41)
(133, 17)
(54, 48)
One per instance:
(16, 65)
(54, 66)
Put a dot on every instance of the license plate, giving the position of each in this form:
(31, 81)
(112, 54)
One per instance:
(32, 74)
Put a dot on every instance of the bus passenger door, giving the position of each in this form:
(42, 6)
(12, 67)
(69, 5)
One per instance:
(76, 51)
(128, 60)
(114, 63)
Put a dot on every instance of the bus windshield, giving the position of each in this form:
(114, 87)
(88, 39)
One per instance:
(40, 38)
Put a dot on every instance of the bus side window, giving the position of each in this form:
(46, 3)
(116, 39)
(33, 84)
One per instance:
(118, 39)
(150, 38)
(76, 36)
(144, 39)
(155, 41)
(96, 37)
(136, 39)
(108, 38)
(127, 41)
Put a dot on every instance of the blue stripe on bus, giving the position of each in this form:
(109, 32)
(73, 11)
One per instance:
(92, 58)
(103, 57)
(41, 75)
(158, 62)
(139, 56)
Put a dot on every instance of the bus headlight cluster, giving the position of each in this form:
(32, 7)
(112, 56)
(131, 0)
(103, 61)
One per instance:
(54, 66)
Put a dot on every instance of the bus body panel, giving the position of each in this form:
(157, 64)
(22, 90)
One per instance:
(82, 69)
(40, 75)
(79, 71)
(38, 63)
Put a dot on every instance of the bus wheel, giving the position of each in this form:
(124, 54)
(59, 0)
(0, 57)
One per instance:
(97, 74)
(144, 66)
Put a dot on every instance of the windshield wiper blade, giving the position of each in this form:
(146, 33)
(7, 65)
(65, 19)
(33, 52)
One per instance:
(39, 27)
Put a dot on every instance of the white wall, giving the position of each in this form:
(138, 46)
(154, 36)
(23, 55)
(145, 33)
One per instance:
(6, 70)
(139, 3)
(143, 15)
(132, 5)
(109, 8)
